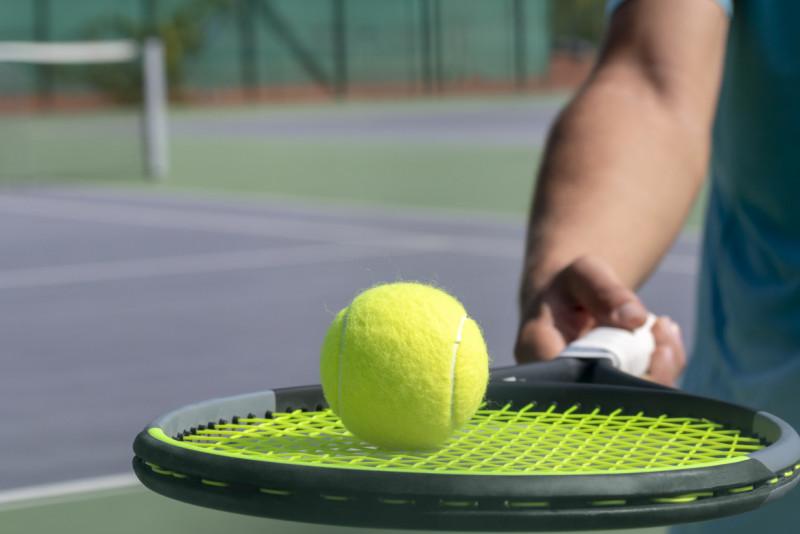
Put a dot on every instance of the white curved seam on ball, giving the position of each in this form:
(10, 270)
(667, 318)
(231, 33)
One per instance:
(453, 361)
(340, 365)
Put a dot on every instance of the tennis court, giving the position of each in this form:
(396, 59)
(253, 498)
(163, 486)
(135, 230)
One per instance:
(122, 301)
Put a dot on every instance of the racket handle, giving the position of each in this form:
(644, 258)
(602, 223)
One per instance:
(627, 351)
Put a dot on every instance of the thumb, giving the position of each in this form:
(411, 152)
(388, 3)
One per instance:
(593, 285)
(538, 339)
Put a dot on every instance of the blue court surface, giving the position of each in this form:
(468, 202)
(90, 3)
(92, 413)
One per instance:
(119, 305)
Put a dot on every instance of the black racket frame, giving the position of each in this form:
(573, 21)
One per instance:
(367, 498)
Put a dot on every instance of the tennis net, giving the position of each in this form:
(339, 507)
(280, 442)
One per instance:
(82, 111)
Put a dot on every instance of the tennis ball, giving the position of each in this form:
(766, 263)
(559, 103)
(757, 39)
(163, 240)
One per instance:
(403, 366)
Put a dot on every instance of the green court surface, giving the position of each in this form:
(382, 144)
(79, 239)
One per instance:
(485, 179)
(473, 173)
(135, 510)
(97, 146)
(495, 179)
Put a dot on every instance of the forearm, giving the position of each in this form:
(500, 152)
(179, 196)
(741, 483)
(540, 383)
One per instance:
(619, 176)
(626, 159)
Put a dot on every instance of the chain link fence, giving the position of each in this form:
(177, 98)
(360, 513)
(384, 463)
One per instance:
(252, 48)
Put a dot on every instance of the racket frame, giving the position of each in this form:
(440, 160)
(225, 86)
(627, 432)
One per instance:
(355, 497)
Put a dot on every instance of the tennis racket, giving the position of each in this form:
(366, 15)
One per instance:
(574, 443)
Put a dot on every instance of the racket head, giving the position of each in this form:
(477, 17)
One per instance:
(748, 461)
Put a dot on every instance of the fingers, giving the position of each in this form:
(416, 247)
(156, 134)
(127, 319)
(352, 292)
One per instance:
(669, 357)
(538, 339)
(585, 294)
(593, 285)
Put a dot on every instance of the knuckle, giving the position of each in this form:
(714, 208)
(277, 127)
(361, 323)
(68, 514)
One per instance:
(586, 263)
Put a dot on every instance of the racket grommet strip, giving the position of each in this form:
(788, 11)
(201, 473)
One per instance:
(458, 504)
(396, 501)
(683, 499)
(275, 492)
(336, 498)
(214, 483)
(613, 454)
(610, 502)
(166, 472)
(526, 504)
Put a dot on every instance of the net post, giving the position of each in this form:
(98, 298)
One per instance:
(155, 109)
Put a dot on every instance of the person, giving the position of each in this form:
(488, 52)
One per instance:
(681, 90)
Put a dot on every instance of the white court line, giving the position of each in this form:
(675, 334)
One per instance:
(218, 202)
(182, 265)
(285, 228)
(261, 226)
(66, 489)
(393, 214)
(221, 262)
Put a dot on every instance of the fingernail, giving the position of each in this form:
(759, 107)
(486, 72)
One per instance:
(628, 313)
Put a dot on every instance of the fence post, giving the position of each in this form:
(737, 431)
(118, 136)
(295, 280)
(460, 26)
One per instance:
(425, 45)
(150, 16)
(438, 45)
(520, 44)
(41, 33)
(340, 51)
(248, 48)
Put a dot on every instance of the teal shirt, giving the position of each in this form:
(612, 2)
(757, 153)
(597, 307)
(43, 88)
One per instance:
(748, 332)
(747, 346)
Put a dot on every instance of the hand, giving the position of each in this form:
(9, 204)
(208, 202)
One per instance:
(586, 294)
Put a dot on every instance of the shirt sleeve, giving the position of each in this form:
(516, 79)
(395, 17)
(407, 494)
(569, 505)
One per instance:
(726, 5)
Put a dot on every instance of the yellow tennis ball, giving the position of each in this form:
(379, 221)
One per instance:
(404, 366)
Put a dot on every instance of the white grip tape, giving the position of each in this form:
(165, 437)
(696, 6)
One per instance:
(627, 351)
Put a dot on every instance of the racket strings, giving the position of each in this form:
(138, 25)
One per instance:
(511, 441)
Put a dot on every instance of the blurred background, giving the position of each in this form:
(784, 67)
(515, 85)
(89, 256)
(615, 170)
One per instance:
(223, 58)
(190, 189)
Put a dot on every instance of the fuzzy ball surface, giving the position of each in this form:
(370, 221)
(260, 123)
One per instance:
(404, 366)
